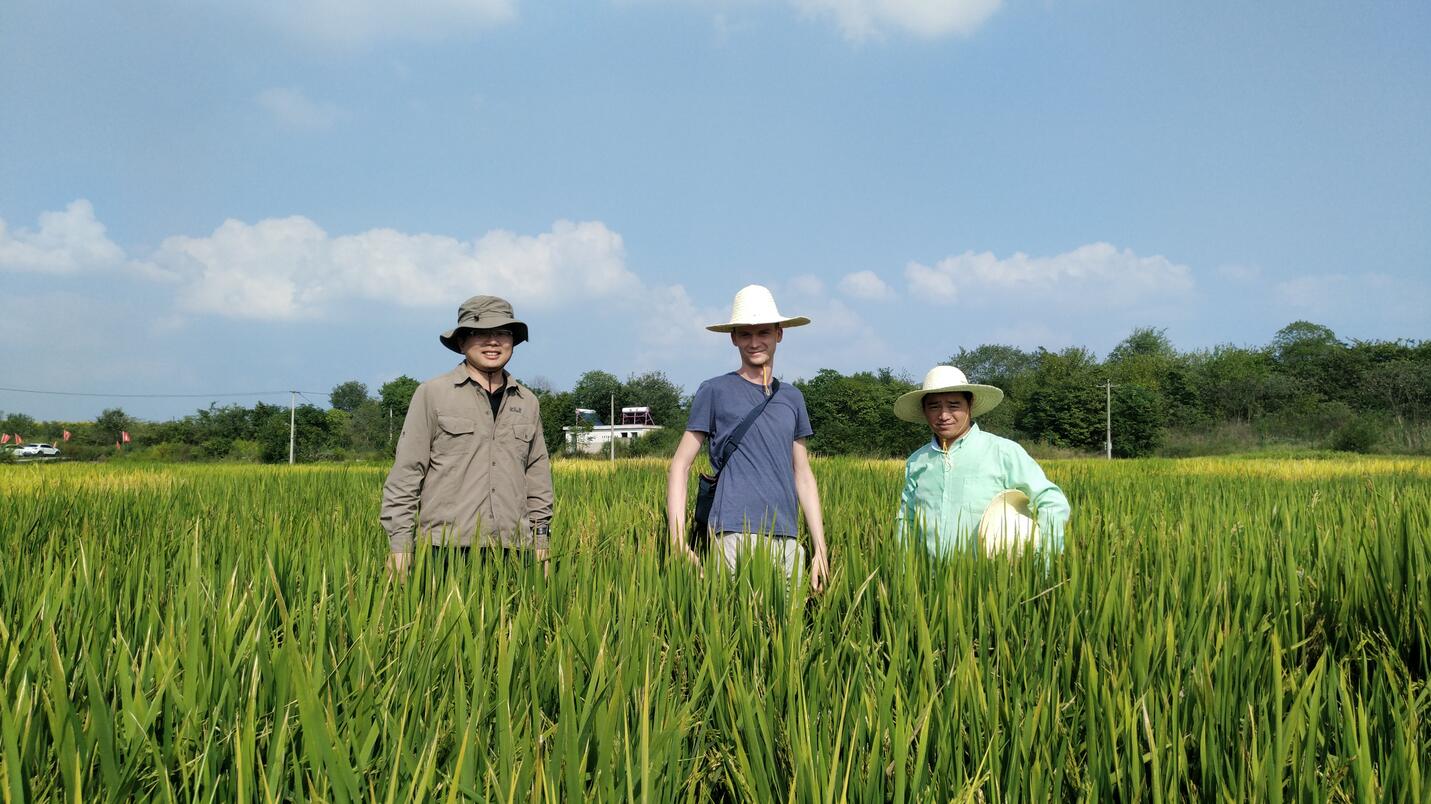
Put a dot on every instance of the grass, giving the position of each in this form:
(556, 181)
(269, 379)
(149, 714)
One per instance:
(1217, 629)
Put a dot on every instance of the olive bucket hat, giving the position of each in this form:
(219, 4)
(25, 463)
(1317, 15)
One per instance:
(484, 312)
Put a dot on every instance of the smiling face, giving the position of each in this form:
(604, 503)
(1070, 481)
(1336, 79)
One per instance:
(487, 349)
(757, 343)
(948, 414)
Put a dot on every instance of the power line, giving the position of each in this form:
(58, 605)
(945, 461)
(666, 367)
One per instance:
(160, 396)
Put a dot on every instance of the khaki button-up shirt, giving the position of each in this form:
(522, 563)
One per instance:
(466, 476)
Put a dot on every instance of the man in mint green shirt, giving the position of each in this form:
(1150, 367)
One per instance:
(950, 482)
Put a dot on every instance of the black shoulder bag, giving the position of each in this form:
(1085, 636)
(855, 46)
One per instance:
(706, 488)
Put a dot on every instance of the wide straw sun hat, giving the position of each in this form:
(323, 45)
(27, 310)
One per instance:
(945, 379)
(1007, 525)
(754, 305)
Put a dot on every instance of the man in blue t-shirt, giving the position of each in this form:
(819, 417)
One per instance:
(769, 472)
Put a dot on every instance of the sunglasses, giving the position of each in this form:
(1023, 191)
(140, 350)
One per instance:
(488, 334)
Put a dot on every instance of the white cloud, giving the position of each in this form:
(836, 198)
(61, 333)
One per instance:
(866, 285)
(294, 110)
(289, 268)
(806, 285)
(1097, 272)
(933, 283)
(671, 323)
(838, 337)
(353, 23)
(930, 19)
(65, 242)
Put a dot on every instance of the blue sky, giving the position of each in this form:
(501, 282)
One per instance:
(203, 197)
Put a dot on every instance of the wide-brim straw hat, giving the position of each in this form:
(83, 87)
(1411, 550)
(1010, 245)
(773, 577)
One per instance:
(1008, 525)
(754, 305)
(946, 379)
(484, 312)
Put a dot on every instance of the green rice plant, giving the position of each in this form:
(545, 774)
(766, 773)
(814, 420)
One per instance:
(1216, 629)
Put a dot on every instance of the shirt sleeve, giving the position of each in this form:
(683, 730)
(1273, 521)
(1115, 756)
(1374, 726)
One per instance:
(702, 418)
(539, 483)
(403, 488)
(1047, 499)
(802, 419)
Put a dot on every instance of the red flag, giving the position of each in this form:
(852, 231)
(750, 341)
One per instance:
(18, 439)
(123, 436)
(4, 438)
(67, 435)
(116, 445)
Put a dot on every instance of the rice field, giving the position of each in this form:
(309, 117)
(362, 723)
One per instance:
(1217, 629)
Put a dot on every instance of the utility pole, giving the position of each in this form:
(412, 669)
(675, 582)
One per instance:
(292, 422)
(1108, 444)
(613, 427)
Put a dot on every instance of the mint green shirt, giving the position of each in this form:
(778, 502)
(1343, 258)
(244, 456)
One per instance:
(945, 493)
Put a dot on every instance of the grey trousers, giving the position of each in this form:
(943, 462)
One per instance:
(785, 552)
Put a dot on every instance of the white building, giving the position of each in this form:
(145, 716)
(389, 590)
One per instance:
(590, 435)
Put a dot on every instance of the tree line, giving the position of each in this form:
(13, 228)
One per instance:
(1307, 388)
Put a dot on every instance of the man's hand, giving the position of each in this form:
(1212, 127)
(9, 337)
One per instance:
(808, 493)
(676, 478)
(679, 547)
(398, 564)
(819, 569)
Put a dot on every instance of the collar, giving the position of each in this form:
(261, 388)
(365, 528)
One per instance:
(959, 442)
(459, 375)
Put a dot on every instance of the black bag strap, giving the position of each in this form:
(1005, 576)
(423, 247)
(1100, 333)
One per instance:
(733, 443)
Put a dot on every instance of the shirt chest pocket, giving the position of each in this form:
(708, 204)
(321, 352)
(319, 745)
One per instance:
(454, 435)
(979, 489)
(514, 442)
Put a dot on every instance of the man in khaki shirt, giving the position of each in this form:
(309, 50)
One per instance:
(471, 466)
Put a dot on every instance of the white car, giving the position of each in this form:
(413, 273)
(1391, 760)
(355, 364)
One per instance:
(36, 451)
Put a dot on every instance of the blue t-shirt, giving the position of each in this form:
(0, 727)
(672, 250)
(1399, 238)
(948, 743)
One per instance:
(756, 493)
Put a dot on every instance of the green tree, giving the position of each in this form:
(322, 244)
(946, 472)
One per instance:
(854, 415)
(1231, 382)
(558, 411)
(995, 364)
(1064, 406)
(1147, 360)
(1301, 340)
(1143, 342)
(654, 390)
(313, 435)
(396, 395)
(1007, 368)
(110, 423)
(594, 390)
(215, 428)
(19, 424)
(1377, 388)
(1403, 388)
(1312, 355)
(368, 430)
(347, 396)
(1137, 422)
